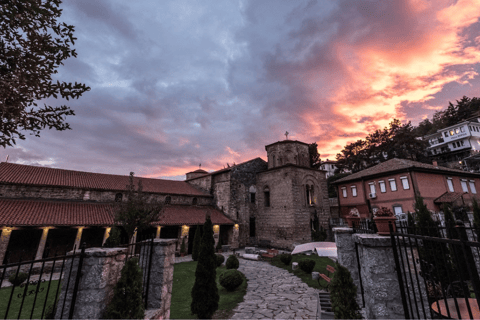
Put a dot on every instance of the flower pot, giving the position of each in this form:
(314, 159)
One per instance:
(351, 220)
(382, 225)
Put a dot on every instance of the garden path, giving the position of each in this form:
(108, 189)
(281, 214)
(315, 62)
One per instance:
(274, 293)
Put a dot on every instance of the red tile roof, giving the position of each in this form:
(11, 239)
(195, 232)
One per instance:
(448, 197)
(399, 165)
(16, 212)
(43, 176)
(227, 169)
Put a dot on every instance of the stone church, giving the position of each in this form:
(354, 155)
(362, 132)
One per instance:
(276, 203)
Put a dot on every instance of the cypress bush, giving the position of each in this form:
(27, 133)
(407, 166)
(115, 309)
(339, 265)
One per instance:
(286, 258)
(205, 292)
(17, 280)
(114, 238)
(127, 300)
(183, 249)
(343, 295)
(307, 265)
(196, 244)
(231, 279)
(232, 262)
(220, 259)
(476, 218)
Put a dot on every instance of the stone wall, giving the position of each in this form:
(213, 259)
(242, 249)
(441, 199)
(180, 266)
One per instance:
(287, 152)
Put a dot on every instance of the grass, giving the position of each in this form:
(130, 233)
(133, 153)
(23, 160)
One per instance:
(320, 266)
(28, 301)
(183, 280)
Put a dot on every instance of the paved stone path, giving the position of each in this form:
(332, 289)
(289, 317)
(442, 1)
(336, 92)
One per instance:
(274, 293)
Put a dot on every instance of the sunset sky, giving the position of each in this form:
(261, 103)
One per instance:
(178, 83)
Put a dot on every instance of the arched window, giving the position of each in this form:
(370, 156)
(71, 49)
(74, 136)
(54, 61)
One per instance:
(168, 200)
(194, 201)
(310, 195)
(266, 195)
(253, 191)
(118, 197)
(273, 161)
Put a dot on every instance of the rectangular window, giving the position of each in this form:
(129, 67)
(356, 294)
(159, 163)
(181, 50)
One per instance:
(344, 192)
(354, 191)
(383, 188)
(393, 184)
(464, 185)
(372, 188)
(462, 129)
(450, 185)
(252, 197)
(446, 134)
(472, 186)
(397, 210)
(405, 184)
(267, 198)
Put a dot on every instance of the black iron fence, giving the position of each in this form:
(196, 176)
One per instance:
(364, 226)
(31, 289)
(437, 270)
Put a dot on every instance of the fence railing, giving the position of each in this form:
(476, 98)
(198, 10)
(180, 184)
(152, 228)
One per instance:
(31, 289)
(437, 270)
(364, 226)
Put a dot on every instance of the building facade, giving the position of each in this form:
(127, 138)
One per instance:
(394, 184)
(44, 211)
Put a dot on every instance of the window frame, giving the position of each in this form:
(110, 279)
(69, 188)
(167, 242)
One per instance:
(390, 181)
(344, 192)
(380, 184)
(463, 183)
(450, 185)
(402, 179)
(266, 197)
(354, 191)
(474, 189)
(371, 186)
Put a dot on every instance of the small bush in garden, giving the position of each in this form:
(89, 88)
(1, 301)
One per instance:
(220, 259)
(232, 262)
(286, 258)
(343, 295)
(307, 265)
(127, 300)
(50, 311)
(231, 279)
(16, 281)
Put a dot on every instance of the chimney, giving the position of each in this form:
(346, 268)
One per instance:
(434, 162)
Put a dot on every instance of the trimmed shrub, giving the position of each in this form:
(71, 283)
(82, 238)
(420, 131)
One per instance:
(343, 295)
(232, 262)
(231, 279)
(127, 300)
(50, 311)
(220, 259)
(205, 291)
(196, 244)
(286, 258)
(114, 238)
(16, 281)
(307, 265)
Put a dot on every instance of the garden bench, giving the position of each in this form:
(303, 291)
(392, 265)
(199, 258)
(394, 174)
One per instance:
(271, 253)
(331, 270)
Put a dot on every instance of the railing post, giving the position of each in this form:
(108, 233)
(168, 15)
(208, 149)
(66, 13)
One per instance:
(77, 280)
(471, 266)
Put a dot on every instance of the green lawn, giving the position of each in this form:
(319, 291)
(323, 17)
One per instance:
(28, 302)
(320, 266)
(183, 280)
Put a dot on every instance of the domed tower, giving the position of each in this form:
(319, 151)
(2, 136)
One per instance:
(287, 152)
(195, 174)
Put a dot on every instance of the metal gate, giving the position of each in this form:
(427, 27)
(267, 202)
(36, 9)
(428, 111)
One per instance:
(438, 276)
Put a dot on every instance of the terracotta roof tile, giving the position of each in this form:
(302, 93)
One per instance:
(399, 164)
(23, 174)
(448, 197)
(16, 212)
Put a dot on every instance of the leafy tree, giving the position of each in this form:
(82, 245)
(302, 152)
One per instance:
(314, 156)
(332, 189)
(114, 238)
(205, 292)
(410, 221)
(33, 44)
(127, 300)
(343, 295)
(476, 218)
(196, 244)
(137, 212)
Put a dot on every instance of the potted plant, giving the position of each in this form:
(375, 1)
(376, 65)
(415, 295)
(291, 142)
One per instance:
(382, 219)
(353, 217)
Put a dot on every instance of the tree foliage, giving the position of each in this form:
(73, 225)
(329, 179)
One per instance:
(314, 156)
(343, 294)
(138, 211)
(476, 218)
(114, 238)
(196, 244)
(332, 188)
(205, 292)
(33, 44)
(395, 141)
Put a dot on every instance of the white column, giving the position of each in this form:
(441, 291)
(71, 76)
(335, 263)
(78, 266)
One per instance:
(106, 235)
(4, 240)
(159, 228)
(134, 239)
(41, 245)
(78, 238)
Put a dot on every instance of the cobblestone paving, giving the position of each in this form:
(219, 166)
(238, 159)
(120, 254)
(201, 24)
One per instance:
(274, 293)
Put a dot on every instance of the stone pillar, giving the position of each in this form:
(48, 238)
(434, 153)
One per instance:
(4, 240)
(161, 279)
(78, 238)
(379, 277)
(216, 234)
(235, 234)
(106, 235)
(134, 240)
(347, 256)
(184, 235)
(100, 272)
(41, 245)
(159, 228)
